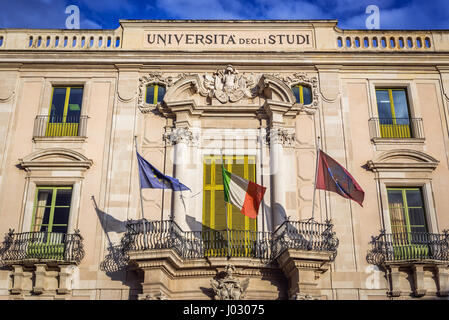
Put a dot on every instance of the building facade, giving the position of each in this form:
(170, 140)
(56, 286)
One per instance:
(259, 96)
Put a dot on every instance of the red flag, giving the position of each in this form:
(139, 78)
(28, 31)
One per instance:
(333, 177)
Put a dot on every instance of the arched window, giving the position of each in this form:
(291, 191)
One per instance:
(155, 93)
(303, 94)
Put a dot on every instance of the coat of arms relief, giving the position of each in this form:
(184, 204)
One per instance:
(228, 86)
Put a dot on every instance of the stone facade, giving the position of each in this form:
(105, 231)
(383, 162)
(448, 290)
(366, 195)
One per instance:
(228, 91)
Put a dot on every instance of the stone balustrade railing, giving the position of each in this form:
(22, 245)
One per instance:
(385, 40)
(59, 39)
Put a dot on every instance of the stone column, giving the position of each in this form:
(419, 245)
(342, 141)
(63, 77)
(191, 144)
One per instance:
(279, 170)
(182, 139)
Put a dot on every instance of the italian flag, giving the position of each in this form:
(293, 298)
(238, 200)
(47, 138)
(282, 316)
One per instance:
(242, 193)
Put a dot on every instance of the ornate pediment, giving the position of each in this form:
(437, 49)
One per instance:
(403, 160)
(55, 159)
(210, 92)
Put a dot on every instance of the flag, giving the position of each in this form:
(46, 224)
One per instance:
(242, 193)
(333, 177)
(150, 177)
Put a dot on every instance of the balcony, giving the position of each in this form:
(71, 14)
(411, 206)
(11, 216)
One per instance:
(59, 126)
(383, 129)
(165, 254)
(41, 262)
(300, 235)
(32, 247)
(411, 246)
(416, 263)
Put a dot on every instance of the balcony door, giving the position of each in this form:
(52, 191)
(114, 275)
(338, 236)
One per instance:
(50, 222)
(408, 223)
(65, 112)
(241, 231)
(393, 110)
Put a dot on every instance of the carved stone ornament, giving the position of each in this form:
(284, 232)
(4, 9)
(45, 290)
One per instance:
(281, 136)
(181, 135)
(226, 85)
(303, 79)
(155, 296)
(226, 287)
(145, 81)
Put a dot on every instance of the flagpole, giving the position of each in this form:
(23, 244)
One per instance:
(316, 174)
(226, 209)
(141, 201)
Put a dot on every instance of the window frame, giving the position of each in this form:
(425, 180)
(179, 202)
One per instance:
(53, 206)
(408, 132)
(155, 93)
(301, 93)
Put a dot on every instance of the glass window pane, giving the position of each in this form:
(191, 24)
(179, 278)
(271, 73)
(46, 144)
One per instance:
(307, 94)
(44, 197)
(59, 229)
(150, 94)
(63, 197)
(383, 104)
(61, 216)
(57, 105)
(417, 217)
(400, 105)
(160, 93)
(46, 216)
(74, 107)
(414, 198)
(296, 93)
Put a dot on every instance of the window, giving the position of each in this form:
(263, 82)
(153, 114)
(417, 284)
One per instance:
(155, 93)
(303, 94)
(408, 223)
(214, 211)
(394, 118)
(50, 222)
(65, 112)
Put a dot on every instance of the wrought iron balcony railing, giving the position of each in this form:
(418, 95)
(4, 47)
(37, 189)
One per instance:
(408, 246)
(396, 128)
(58, 126)
(307, 235)
(42, 246)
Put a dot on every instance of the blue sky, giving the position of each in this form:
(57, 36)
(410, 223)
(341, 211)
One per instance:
(105, 14)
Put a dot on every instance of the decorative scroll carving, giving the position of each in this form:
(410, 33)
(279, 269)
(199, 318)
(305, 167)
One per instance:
(226, 287)
(303, 79)
(226, 85)
(151, 78)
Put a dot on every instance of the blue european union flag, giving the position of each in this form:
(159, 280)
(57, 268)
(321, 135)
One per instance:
(150, 177)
